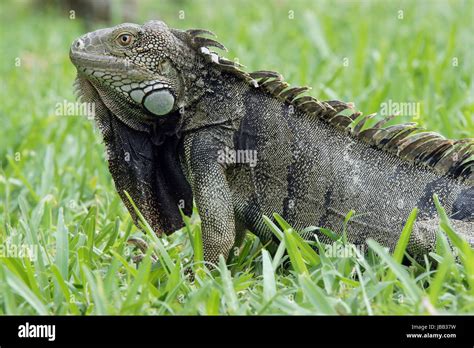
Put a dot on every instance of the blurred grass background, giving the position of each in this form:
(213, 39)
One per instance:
(53, 174)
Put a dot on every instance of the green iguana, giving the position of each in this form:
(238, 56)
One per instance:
(181, 122)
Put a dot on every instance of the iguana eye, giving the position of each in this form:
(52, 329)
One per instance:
(124, 39)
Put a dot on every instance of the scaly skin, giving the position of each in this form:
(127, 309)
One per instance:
(171, 112)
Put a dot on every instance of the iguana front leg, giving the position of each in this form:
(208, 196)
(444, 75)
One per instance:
(213, 198)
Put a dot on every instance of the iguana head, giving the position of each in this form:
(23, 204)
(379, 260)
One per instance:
(146, 67)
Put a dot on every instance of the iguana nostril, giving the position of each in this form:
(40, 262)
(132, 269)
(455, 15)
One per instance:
(79, 44)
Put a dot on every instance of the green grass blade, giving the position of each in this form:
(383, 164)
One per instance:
(278, 257)
(364, 292)
(229, 292)
(442, 271)
(22, 289)
(466, 252)
(294, 253)
(308, 253)
(402, 243)
(273, 227)
(7, 293)
(269, 285)
(65, 290)
(406, 281)
(400, 248)
(315, 295)
(62, 246)
(198, 248)
(96, 290)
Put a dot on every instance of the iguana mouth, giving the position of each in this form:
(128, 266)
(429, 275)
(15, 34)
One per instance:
(83, 60)
(96, 65)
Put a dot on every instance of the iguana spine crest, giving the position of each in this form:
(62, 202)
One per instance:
(453, 158)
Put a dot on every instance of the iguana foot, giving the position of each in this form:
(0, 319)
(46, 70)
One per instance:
(143, 247)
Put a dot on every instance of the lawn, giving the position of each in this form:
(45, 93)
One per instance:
(58, 201)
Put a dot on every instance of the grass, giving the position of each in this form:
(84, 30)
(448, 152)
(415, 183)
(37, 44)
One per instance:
(57, 196)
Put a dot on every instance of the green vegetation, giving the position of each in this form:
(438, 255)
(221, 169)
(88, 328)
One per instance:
(57, 196)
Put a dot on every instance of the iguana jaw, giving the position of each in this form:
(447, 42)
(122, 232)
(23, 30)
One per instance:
(95, 66)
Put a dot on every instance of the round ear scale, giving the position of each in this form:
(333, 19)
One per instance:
(159, 102)
(155, 96)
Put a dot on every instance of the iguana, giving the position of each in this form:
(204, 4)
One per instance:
(180, 122)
